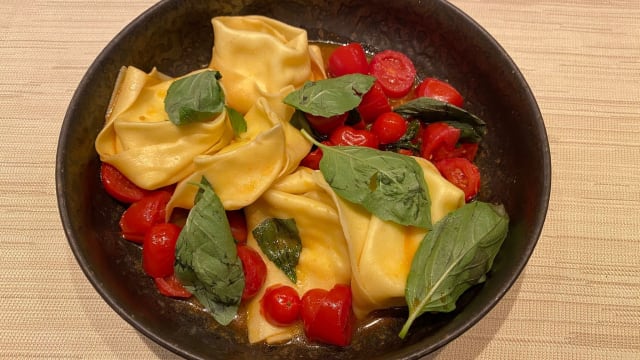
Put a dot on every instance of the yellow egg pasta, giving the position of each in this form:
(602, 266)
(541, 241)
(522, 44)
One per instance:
(381, 251)
(324, 260)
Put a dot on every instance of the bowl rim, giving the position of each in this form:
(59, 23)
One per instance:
(412, 351)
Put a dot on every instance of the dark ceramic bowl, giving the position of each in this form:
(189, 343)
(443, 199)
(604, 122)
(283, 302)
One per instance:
(176, 36)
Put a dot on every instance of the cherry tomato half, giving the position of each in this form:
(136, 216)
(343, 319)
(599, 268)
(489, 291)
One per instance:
(280, 305)
(143, 214)
(171, 286)
(324, 125)
(389, 127)
(255, 271)
(373, 103)
(437, 135)
(461, 173)
(395, 72)
(327, 316)
(159, 248)
(463, 150)
(118, 186)
(348, 136)
(238, 224)
(348, 59)
(440, 90)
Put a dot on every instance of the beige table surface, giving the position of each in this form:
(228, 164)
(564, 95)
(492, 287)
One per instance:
(578, 298)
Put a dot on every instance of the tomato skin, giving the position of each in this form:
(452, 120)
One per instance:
(373, 103)
(255, 271)
(324, 125)
(439, 90)
(158, 249)
(171, 286)
(312, 160)
(389, 127)
(118, 186)
(461, 173)
(463, 150)
(348, 136)
(348, 59)
(238, 224)
(327, 316)
(438, 135)
(395, 72)
(280, 305)
(143, 214)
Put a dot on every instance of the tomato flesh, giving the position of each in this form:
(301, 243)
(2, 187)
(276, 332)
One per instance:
(118, 186)
(255, 271)
(394, 71)
(461, 173)
(158, 249)
(280, 305)
(439, 90)
(348, 59)
(143, 214)
(373, 103)
(463, 150)
(348, 136)
(324, 125)
(238, 224)
(438, 135)
(171, 286)
(389, 127)
(327, 316)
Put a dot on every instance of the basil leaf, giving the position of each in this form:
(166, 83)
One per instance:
(206, 262)
(389, 185)
(408, 141)
(432, 110)
(330, 97)
(454, 256)
(280, 241)
(194, 98)
(238, 122)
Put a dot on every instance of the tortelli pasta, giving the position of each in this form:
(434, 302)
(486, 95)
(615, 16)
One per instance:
(261, 60)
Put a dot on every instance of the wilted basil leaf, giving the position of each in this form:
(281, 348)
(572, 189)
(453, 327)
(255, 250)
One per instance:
(280, 241)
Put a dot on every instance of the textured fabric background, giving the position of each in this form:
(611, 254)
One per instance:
(578, 298)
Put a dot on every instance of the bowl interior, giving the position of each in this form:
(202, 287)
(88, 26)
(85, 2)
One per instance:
(176, 37)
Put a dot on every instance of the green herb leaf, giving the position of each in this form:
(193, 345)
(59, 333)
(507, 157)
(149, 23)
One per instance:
(454, 256)
(194, 98)
(207, 263)
(389, 185)
(280, 242)
(409, 141)
(332, 96)
(432, 110)
(238, 122)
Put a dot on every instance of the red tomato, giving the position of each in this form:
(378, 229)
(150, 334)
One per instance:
(280, 305)
(348, 136)
(439, 90)
(324, 125)
(327, 316)
(373, 103)
(312, 160)
(143, 214)
(389, 127)
(395, 72)
(238, 224)
(171, 286)
(438, 135)
(348, 59)
(158, 249)
(118, 186)
(461, 173)
(255, 271)
(463, 150)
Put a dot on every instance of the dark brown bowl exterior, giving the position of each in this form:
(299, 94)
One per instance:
(176, 36)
